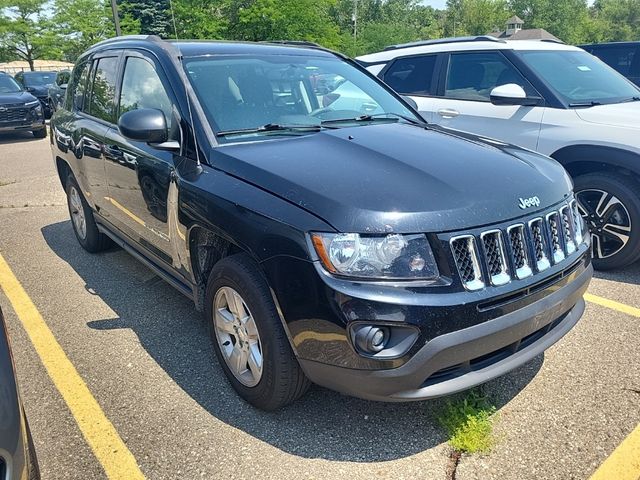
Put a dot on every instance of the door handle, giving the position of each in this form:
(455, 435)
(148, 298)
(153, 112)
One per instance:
(113, 150)
(448, 113)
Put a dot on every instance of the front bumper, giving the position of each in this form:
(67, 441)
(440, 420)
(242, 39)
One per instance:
(461, 359)
(29, 125)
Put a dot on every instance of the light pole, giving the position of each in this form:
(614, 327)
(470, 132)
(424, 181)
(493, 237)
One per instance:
(116, 19)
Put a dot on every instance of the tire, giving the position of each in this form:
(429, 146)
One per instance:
(619, 213)
(90, 237)
(281, 381)
(42, 133)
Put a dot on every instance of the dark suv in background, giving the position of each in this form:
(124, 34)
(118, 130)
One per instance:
(623, 56)
(38, 83)
(19, 110)
(368, 252)
(58, 90)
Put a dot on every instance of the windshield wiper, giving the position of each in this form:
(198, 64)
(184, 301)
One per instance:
(381, 116)
(590, 103)
(630, 99)
(273, 127)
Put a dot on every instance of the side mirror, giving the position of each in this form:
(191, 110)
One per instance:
(410, 101)
(511, 94)
(144, 125)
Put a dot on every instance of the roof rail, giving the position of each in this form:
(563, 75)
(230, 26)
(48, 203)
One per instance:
(299, 43)
(438, 41)
(551, 40)
(123, 38)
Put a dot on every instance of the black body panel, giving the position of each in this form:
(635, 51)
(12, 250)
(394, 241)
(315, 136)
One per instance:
(264, 196)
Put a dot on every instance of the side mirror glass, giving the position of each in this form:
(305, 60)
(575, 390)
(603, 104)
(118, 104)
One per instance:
(144, 125)
(511, 94)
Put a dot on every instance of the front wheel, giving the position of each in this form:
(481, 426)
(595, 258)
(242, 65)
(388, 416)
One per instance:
(84, 225)
(610, 205)
(248, 336)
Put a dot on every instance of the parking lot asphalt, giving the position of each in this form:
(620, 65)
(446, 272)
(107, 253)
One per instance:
(144, 355)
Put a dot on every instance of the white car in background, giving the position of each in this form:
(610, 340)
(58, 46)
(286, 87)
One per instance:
(549, 97)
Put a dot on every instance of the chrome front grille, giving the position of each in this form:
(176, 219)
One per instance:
(466, 256)
(520, 251)
(14, 114)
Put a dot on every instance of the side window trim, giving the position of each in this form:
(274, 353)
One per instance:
(88, 94)
(444, 77)
(164, 80)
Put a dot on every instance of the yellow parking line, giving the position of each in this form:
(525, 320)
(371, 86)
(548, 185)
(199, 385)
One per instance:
(620, 307)
(112, 453)
(624, 462)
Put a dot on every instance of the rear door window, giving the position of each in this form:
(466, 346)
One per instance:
(412, 75)
(102, 101)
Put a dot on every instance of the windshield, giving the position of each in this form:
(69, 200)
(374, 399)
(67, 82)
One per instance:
(579, 77)
(36, 79)
(8, 85)
(244, 93)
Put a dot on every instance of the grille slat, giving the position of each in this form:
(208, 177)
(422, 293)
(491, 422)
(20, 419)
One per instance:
(465, 254)
(555, 232)
(515, 254)
(13, 115)
(495, 257)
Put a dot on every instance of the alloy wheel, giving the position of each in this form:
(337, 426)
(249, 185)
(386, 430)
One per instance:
(237, 336)
(77, 213)
(608, 220)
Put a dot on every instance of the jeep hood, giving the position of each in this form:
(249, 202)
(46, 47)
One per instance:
(397, 178)
(618, 114)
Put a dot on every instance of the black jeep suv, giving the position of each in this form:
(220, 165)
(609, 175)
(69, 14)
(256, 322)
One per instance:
(328, 234)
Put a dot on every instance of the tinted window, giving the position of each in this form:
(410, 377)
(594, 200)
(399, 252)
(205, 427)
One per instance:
(77, 87)
(412, 75)
(8, 84)
(579, 77)
(142, 88)
(103, 90)
(62, 78)
(472, 76)
(620, 58)
(38, 79)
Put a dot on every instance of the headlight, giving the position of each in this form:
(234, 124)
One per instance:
(32, 104)
(394, 256)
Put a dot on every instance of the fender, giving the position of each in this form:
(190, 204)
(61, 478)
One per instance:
(574, 157)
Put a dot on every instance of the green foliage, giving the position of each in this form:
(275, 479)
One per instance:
(26, 32)
(79, 32)
(468, 423)
(31, 29)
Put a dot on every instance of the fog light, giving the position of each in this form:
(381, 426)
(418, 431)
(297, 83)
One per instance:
(371, 339)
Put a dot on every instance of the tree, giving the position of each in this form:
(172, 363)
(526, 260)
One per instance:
(566, 19)
(26, 31)
(79, 32)
(618, 19)
(154, 16)
(258, 20)
(200, 18)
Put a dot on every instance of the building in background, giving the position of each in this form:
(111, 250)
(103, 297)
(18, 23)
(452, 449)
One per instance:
(516, 31)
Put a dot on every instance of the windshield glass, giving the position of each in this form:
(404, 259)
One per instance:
(35, 79)
(8, 85)
(579, 77)
(247, 92)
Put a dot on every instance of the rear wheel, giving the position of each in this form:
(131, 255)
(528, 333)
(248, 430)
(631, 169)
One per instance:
(248, 336)
(84, 225)
(610, 205)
